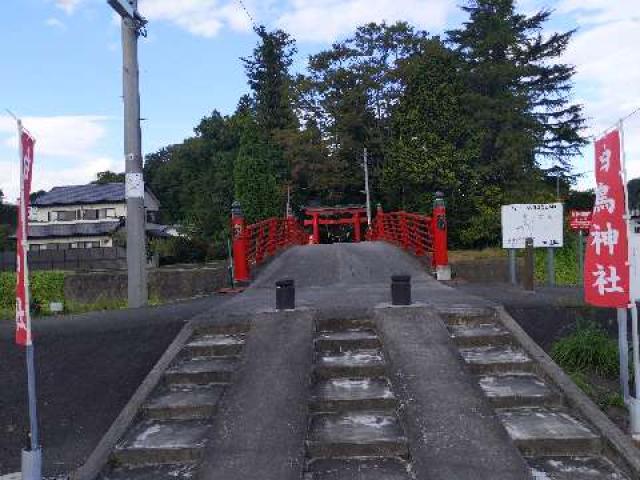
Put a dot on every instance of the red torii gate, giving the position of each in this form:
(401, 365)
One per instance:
(354, 215)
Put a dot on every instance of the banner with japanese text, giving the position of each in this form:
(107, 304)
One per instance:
(23, 317)
(606, 272)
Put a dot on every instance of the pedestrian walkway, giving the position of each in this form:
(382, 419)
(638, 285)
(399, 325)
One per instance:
(347, 387)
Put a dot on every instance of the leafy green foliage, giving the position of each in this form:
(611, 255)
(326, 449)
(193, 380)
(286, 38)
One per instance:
(180, 250)
(256, 185)
(194, 179)
(109, 177)
(8, 220)
(268, 74)
(565, 262)
(484, 115)
(519, 95)
(46, 287)
(588, 349)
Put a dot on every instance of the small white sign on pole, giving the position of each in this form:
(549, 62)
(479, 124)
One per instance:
(541, 221)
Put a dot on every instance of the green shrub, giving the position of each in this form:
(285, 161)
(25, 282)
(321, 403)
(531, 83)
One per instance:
(566, 262)
(46, 287)
(588, 349)
(7, 290)
(179, 250)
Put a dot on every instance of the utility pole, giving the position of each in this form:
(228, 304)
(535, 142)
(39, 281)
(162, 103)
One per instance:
(132, 25)
(365, 163)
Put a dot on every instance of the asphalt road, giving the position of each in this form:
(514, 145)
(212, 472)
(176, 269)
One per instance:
(88, 366)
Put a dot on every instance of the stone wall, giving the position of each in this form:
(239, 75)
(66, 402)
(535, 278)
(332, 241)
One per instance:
(166, 283)
(486, 270)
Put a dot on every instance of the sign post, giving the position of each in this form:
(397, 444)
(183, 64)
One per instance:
(607, 275)
(542, 224)
(580, 221)
(31, 456)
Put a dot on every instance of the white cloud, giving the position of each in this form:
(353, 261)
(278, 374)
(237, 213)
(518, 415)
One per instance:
(607, 60)
(68, 6)
(200, 17)
(327, 20)
(68, 151)
(55, 23)
(73, 137)
(47, 175)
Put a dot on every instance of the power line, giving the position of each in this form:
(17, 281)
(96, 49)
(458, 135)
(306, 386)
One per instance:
(246, 11)
(615, 125)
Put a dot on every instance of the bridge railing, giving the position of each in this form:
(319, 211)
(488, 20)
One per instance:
(255, 243)
(410, 231)
(419, 234)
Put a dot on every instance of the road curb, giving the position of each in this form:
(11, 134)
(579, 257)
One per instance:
(617, 443)
(100, 455)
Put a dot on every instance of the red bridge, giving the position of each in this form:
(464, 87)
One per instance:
(422, 235)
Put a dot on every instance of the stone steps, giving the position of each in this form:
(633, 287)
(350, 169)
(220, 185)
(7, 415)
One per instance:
(347, 340)
(352, 363)
(340, 394)
(169, 436)
(354, 432)
(574, 468)
(556, 444)
(201, 371)
(166, 442)
(358, 469)
(543, 431)
(518, 390)
(211, 345)
(487, 359)
(185, 402)
(478, 335)
(178, 471)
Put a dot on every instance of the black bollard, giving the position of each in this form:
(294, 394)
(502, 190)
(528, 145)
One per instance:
(401, 289)
(285, 294)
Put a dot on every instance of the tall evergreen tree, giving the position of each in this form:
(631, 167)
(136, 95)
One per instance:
(519, 92)
(433, 148)
(349, 91)
(256, 185)
(269, 78)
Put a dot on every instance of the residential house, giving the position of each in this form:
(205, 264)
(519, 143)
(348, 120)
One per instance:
(85, 216)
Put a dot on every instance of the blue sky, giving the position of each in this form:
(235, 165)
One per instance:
(61, 68)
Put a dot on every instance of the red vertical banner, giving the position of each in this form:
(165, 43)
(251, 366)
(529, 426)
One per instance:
(606, 272)
(23, 316)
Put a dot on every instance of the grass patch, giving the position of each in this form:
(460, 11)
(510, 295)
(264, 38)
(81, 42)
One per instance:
(588, 349)
(101, 305)
(566, 262)
(470, 255)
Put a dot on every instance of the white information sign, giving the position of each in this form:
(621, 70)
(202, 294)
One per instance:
(541, 221)
(134, 185)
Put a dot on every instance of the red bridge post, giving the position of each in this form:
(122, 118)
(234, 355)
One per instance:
(439, 229)
(240, 261)
(316, 229)
(380, 223)
(356, 227)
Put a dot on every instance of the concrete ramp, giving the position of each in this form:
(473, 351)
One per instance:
(347, 387)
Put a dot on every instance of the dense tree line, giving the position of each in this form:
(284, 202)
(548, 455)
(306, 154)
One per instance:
(8, 221)
(483, 114)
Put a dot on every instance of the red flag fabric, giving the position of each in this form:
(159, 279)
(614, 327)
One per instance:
(606, 272)
(23, 317)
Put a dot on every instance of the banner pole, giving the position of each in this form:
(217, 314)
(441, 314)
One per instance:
(31, 460)
(623, 346)
(633, 403)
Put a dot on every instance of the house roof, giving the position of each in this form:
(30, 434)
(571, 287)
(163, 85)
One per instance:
(93, 229)
(72, 230)
(83, 194)
(79, 194)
